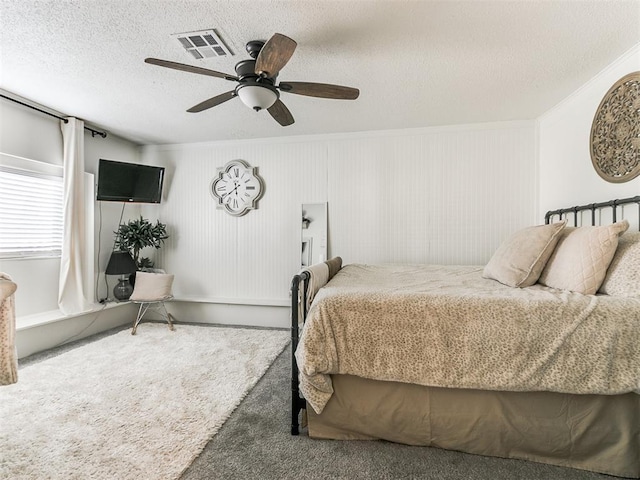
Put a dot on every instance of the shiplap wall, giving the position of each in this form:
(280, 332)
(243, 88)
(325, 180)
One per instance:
(444, 195)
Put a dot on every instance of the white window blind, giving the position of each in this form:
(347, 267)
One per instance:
(31, 213)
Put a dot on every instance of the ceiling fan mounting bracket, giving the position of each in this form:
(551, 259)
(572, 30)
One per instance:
(253, 48)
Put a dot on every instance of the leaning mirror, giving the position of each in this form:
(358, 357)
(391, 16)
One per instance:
(314, 233)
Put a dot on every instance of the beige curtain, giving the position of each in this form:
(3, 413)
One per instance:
(72, 297)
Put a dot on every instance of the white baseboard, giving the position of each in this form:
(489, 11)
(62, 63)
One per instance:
(36, 338)
(276, 316)
(39, 337)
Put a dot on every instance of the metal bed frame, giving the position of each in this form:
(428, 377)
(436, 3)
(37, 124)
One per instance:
(593, 207)
(298, 402)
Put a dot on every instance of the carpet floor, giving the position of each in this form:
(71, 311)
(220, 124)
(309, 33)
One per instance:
(129, 407)
(255, 443)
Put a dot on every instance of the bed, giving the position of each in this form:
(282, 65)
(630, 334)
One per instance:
(534, 356)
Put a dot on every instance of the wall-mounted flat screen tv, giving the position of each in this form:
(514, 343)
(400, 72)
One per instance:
(129, 182)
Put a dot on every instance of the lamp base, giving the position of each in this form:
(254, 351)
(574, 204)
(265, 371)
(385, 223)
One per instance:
(123, 290)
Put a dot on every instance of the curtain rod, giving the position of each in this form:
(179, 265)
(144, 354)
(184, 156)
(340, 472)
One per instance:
(93, 132)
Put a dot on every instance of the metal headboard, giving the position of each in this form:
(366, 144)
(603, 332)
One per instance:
(593, 207)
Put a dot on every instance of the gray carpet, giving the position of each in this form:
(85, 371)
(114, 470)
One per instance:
(255, 443)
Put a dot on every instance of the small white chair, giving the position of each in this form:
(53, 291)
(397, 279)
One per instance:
(151, 290)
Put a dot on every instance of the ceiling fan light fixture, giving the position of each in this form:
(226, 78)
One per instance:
(257, 97)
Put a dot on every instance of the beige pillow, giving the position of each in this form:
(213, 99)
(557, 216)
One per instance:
(152, 287)
(580, 261)
(520, 259)
(623, 274)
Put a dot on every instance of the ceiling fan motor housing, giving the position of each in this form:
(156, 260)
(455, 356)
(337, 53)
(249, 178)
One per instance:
(253, 48)
(246, 68)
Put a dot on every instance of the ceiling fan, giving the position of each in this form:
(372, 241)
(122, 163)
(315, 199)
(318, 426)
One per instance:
(257, 80)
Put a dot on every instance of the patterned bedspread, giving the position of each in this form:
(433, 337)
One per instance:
(447, 326)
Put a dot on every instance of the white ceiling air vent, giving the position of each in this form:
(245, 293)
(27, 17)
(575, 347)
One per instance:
(203, 44)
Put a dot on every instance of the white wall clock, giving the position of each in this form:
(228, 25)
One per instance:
(237, 188)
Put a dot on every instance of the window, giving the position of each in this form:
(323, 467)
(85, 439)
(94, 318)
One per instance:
(31, 213)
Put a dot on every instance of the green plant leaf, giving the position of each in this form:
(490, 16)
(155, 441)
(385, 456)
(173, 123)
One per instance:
(145, 263)
(138, 234)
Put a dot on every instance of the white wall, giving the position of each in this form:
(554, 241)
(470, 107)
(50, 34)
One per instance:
(567, 176)
(444, 195)
(435, 195)
(31, 135)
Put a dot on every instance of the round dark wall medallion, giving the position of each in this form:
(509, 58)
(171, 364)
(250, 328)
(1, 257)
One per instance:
(615, 133)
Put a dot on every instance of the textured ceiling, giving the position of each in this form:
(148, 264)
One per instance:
(416, 63)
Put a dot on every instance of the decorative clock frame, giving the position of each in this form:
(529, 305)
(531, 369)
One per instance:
(237, 188)
(615, 132)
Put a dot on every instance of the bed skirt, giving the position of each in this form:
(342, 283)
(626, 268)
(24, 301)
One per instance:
(599, 433)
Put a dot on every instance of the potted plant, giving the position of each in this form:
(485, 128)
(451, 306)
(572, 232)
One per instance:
(137, 234)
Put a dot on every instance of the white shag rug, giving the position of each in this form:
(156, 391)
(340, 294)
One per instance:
(130, 407)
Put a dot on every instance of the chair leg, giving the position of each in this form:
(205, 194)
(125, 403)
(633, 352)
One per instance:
(168, 316)
(141, 311)
(160, 308)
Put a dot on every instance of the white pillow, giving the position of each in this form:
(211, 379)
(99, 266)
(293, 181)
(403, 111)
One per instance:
(623, 274)
(580, 261)
(152, 287)
(519, 260)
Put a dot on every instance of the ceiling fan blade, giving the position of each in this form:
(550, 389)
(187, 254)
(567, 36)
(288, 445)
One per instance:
(274, 55)
(321, 90)
(189, 68)
(281, 113)
(213, 101)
